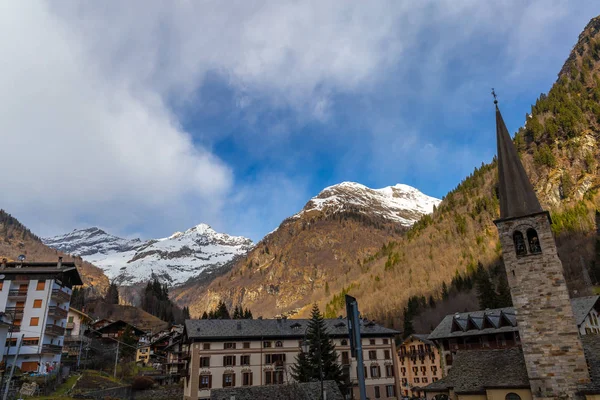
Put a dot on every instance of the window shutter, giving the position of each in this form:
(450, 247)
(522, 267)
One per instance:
(224, 360)
(233, 380)
(224, 375)
(210, 381)
(234, 357)
(378, 371)
(250, 378)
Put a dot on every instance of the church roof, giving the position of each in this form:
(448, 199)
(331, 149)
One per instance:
(473, 323)
(517, 197)
(582, 307)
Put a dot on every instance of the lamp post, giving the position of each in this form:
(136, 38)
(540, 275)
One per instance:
(306, 349)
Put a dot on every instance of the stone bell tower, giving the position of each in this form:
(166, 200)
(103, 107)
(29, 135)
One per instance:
(553, 352)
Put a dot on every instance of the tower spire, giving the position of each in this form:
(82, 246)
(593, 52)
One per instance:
(517, 197)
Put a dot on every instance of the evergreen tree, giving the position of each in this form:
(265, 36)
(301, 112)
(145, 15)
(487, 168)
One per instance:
(78, 298)
(485, 289)
(237, 312)
(248, 314)
(186, 313)
(204, 315)
(431, 302)
(221, 311)
(112, 295)
(444, 291)
(504, 299)
(321, 354)
(408, 328)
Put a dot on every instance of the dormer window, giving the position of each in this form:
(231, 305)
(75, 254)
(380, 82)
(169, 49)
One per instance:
(519, 243)
(534, 241)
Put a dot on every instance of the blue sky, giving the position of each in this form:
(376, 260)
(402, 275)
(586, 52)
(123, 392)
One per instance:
(147, 118)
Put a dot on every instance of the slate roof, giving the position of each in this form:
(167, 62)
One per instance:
(292, 391)
(66, 271)
(206, 329)
(591, 347)
(516, 194)
(485, 322)
(475, 370)
(582, 307)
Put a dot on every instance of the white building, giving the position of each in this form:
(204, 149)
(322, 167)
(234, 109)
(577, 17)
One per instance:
(236, 353)
(75, 339)
(34, 302)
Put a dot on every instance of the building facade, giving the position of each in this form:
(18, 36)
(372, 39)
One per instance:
(75, 338)
(586, 310)
(34, 298)
(237, 353)
(419, 364)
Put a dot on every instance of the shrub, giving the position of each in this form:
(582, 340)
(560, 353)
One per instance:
(142, 383)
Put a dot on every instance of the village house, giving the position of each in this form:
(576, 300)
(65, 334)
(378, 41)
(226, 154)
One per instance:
(419, 364)
(75, 338)
(238, 353)
(34, 302)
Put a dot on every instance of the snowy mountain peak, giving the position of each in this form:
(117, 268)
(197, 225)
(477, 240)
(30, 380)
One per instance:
(400, 203)
(175, 258)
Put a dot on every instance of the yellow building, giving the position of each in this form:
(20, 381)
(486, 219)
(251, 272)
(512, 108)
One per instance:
(419, 363)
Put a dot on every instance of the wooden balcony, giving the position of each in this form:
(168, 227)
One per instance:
(17, 294)
(60, 296)
(57, 313)
(51, 349)
(54, 330)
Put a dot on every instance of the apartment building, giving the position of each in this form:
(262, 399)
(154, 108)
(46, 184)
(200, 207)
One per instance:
(238, 353)
(75, 339)
(35, 297)
(419, 363)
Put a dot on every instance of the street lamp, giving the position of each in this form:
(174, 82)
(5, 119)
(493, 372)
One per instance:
(305, 348)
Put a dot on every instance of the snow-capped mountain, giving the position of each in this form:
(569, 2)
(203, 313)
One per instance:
(400, 203)
(176, 258)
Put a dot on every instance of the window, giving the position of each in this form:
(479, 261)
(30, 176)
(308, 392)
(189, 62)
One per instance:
(228, 380)
(372, 355)
(23, 288)
(70, 320)
(534, 241)
(228, 361)
(389, 371)
(416, 370)
(41, 285)
(34, 321)
(278, 344)
(519, 243)
(403, 370)
(371, 341)
(10, 342)
(448, 359)
(375, 371)
(434, 369)
(266, 344)
(345, 358)
(205, 381)
(390, 391)
(424, 380)
(31, 341)
(229, 345)
(247, 379)
(206, 346)
(17, 322)
(245, 360)
(385, 341)
(273, 377)
(344, 342)
(274, 358)
(386, 355)
(417, 380)
(377, 394)
(246, 345)
(204, 362)
(512, 396)
(37, 304)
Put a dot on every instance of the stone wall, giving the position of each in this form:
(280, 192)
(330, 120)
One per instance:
(553, 352)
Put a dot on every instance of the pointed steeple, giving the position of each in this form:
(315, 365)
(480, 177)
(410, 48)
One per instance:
(517, 197)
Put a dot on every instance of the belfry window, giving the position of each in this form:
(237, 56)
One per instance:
(534, 241)
(519, 243)
(512, 396)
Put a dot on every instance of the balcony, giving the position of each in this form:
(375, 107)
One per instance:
(14, 312)
(54, 330)
(57, 313)
(17, 294)
(60, 296)
(51, 349)
(70, 325)
(14, 328)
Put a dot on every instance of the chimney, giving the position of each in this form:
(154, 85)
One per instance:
(59, 262)
(239, 326)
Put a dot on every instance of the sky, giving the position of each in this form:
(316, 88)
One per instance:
(149, 117)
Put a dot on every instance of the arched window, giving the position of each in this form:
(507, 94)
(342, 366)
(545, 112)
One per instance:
(512, 396)
(344, 342)
(440, 397)
(278, 344)
(534, 241)
(519, 243)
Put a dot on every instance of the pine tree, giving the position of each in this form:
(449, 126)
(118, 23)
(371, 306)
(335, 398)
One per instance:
(237, 313)
(204, 315)
(112, 295)
(221, 311)
(186, 313)
(408, 328)
(321, 354)
(485, 289)
(247, 314)
(504, 299)
(444, 291)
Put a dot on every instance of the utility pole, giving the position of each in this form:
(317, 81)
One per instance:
(12, 369)
(116, 360)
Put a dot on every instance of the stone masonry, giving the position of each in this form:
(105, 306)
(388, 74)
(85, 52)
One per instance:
(553, 352)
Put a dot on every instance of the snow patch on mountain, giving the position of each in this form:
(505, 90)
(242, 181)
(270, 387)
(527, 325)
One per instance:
(174, 259)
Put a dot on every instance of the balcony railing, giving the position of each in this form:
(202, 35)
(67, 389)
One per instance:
(60, 296)
(56, 312)
(70, 325)
(17, 294)
(55, 330)
(14, 328)
(14, 311)
(51, 349)
(77, 339)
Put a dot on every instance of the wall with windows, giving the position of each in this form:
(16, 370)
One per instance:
(419, 365)
(591, 324)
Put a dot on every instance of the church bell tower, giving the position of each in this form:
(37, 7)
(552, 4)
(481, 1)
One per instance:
(553, 352)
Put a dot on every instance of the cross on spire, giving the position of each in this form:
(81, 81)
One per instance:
(495, 96)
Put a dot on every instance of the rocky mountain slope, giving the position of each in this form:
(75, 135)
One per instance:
(16, 239)
(326, 241)
(173, 259)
